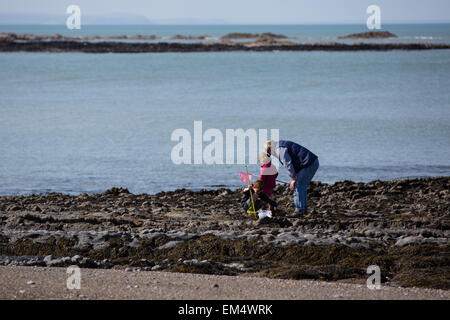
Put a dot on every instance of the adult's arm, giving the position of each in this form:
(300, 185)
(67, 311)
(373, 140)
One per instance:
(286, 160)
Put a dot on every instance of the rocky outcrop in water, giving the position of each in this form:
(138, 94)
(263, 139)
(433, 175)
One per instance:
(401, 226)
(243, 35)
(183, 37)
(224, 46)
(370, 35)
(143, 37)
(11, 42)
(32, 37)
(267, 42)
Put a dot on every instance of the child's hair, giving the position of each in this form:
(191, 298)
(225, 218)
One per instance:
(264, 158)
(259, 184)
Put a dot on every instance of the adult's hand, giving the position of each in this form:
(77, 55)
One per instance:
(291, 185)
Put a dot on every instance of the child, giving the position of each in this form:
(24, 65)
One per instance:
(260, 199)
(269, 174)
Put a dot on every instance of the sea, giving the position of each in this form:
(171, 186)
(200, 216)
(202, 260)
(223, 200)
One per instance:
(83, 123)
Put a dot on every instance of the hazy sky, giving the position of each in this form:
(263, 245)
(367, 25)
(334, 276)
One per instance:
(248, 11)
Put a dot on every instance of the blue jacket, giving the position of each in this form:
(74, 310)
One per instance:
(293, 156)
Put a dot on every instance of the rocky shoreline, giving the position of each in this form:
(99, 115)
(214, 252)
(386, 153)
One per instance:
(401, 226)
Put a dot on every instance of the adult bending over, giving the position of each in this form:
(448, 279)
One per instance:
(301, 164)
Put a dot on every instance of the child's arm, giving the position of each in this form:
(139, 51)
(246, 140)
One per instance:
(246, 195)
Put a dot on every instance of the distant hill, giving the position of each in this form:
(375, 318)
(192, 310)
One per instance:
(106, 19)
(190, 21)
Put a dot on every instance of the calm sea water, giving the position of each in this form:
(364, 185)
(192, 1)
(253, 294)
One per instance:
(73, 122)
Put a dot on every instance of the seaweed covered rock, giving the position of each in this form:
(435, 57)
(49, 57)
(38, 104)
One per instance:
(243, 35)
(370, 35)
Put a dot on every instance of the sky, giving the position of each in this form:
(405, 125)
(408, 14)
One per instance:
(247, 11)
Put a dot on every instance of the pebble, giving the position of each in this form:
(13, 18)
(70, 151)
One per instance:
(409, 240)
(49, 258)
(169, 245)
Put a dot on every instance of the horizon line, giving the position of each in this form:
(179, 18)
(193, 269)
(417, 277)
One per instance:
(231, 23)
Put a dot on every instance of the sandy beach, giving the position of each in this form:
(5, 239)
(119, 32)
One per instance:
(50, 283)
